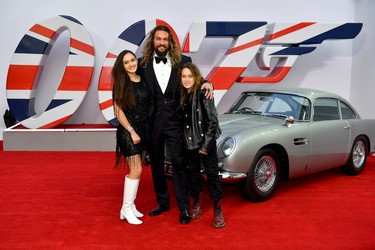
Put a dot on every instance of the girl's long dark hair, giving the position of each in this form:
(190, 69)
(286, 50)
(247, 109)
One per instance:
(122, 90)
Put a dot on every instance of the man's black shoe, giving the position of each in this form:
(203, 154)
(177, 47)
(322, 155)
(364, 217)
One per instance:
(185, 217)
(159, 210)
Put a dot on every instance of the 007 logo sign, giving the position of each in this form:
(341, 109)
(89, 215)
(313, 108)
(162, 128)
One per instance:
(283, 42)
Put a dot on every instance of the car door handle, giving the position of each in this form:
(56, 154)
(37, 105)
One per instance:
(300, 141)
(347, 127)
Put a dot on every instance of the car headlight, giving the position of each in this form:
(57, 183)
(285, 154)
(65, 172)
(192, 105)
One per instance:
(228, 146)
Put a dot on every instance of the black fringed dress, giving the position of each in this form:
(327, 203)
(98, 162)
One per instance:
(138, 118)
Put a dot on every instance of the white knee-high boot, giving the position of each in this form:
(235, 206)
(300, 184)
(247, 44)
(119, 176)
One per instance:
(130, 189)
(135, 211)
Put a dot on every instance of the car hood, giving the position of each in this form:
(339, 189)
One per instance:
(234, 123)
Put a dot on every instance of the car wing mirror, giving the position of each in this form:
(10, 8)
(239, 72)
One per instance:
(289, 121)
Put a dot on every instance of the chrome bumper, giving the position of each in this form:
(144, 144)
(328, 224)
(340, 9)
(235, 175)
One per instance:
(231, 177)
(225, 176)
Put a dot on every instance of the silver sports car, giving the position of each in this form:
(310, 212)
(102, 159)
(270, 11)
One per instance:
(271, 134)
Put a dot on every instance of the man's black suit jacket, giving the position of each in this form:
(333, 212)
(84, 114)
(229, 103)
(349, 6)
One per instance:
(172, 93)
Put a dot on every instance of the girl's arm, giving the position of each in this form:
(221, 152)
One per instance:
(121, 117)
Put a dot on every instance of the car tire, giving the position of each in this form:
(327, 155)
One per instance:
(263, 176)
(358, 157)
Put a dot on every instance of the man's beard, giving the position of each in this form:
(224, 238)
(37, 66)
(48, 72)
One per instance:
(161, 53)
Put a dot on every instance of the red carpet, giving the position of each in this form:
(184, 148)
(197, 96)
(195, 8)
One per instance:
(71, 200)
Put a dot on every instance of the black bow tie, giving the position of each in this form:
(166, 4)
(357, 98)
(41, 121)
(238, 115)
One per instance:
(163, 59)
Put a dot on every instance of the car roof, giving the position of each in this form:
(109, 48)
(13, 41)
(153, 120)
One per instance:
(306, 92)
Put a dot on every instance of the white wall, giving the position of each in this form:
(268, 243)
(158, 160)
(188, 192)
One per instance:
(329, 67)
(362, 87)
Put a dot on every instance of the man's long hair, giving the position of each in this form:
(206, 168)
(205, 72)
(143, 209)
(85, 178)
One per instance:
(122, 90)
(148, 49)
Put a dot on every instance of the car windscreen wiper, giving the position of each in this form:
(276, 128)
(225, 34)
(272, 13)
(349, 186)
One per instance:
(245, 110)
(276, 115)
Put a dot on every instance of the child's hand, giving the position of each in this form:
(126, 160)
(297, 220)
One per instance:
(202, 152)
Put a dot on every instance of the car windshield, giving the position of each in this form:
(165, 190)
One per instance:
(273, 104)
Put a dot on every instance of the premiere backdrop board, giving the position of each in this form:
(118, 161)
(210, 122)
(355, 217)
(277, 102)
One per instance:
(234, 59)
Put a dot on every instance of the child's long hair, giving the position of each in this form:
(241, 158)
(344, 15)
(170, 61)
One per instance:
(198, 80)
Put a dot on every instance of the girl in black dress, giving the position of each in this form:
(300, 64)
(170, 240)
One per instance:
(131, 108)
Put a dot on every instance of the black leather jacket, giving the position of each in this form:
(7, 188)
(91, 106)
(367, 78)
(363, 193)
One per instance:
(200, 121)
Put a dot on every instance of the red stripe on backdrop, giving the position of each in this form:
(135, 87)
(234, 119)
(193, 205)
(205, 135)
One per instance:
(105, 78)
(289, 30)
(21, 77)
(277, 74)
(187, 43)
(76, 78)
(110, 55)
(82, 46)
(43, 31)
(57, 122)
(246, 46)
(71, 200)
(106, 104)
(224, 77)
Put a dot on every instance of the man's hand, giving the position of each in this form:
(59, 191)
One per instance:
(209, 90)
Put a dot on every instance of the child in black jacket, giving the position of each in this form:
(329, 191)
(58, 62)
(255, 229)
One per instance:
(200, 130)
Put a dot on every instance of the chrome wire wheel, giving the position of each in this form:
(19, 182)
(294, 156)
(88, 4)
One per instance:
(359, 154)
(265, 173)
(263, 176)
